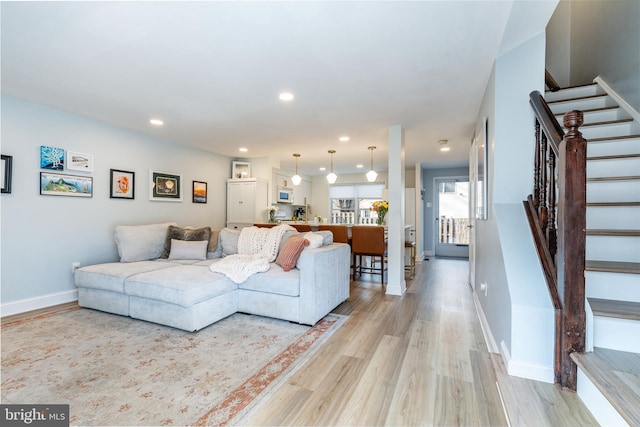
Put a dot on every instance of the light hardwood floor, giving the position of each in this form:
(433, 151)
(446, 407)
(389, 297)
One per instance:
(419, 359)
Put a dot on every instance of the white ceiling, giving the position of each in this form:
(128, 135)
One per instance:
(213, 70)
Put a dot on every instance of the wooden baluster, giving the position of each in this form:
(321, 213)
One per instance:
(536, 168)
(551, 209)
(543, 184)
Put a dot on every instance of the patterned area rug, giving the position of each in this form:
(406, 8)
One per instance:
(114, 370)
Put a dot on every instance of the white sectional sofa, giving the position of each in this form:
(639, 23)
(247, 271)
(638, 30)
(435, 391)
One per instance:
(186, 294)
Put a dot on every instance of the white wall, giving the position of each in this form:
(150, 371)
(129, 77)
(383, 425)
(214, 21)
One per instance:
(43, 235)
(605, 42)
(558, 57)
(517, 306)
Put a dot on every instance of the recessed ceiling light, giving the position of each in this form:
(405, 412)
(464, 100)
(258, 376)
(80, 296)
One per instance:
(243, 149)
(156, 122)
(360, 166)
(323, 168)
(286, 96)
(344, 138)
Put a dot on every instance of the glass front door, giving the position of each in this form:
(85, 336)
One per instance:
(452, 219)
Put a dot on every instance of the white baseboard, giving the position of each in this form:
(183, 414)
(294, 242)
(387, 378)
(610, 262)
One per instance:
(613, 94)
(30, 304)
(525, 369)
(492, 347)
(429, 253)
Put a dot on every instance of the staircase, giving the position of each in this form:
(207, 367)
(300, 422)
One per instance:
(609, 371)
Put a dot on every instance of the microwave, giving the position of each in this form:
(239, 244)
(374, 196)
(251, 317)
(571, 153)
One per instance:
(285, 195)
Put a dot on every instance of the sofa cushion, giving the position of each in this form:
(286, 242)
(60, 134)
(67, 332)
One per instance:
(140, 242)
(289, 234)
(183, 285)
(213, 240)
(274, 281)
(290, 252)
(315, 240)
(188, 234)
(184, 250)
(111, 276)
(327, 236)
(229, 241)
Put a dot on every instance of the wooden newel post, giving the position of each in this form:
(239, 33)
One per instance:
(571, 243)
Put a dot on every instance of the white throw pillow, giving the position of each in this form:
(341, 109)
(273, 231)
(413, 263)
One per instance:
(188, 249)
(315, 240)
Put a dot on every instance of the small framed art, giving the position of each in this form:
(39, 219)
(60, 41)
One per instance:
(51, 158)
(6, 173)
(165, 186)
(79, 161)
(240, 170)
(122, 184)
(57, 184)
(199, 192)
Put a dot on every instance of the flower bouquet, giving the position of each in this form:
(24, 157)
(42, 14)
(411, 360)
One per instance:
(271, 211)
(381, 207)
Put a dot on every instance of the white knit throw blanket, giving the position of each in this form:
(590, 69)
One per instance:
(256, 248)
(264, 241)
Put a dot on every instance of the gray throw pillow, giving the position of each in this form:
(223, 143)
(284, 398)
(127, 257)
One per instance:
(229, 241)
(188, 234)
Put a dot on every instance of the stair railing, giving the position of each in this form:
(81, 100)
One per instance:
(551, 83)
(557, 216)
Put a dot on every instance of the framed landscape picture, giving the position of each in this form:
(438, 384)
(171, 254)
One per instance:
(122, 184)
(165, 186)
(199, 192)
(57, 184)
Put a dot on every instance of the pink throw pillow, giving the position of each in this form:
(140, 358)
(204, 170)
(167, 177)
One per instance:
(288, 255)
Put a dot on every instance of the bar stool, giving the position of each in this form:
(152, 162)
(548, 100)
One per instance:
(369, 241)
(340, 232)
(411, 267)
(303, 228)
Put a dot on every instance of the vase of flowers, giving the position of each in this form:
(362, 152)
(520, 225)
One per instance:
(271, 211)
(381, 207)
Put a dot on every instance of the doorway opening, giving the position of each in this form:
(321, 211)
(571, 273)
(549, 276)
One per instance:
(452, 218)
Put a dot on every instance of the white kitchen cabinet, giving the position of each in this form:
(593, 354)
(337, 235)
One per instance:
(302, 193)
(246, 202)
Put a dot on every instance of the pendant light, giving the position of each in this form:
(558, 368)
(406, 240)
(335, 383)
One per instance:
(371, 175)
(296, 179)
(331, 177)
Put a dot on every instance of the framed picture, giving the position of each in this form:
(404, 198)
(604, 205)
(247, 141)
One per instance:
(6, 173)
(241, 170)
(199, 192)
(122, 184)
(51, 158)
(79, 161)
(165, 186)
(482, 185)
(57, 184)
